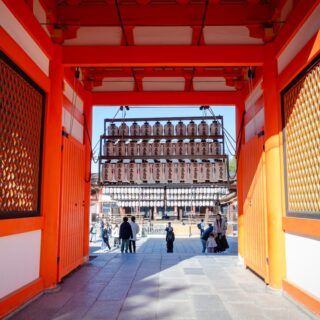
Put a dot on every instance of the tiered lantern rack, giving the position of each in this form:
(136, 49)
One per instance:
(120, 146)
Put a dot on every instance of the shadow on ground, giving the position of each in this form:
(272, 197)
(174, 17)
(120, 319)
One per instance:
(152, 284)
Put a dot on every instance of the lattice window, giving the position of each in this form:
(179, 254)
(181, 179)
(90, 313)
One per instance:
(21, 113)
(301, 123)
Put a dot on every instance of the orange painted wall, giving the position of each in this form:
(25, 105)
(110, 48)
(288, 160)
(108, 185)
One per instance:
(254, 208)
(71, 206)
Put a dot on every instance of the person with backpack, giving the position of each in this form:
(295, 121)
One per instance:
(170, 238)
(205, 236)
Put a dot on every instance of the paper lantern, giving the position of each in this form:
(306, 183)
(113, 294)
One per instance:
(181, 129)
(135, 129)
(123, 129)
(169, 129)
(203, 128)
(113, 130)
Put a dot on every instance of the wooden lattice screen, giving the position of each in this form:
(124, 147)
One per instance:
(21, 113)
(301, 124)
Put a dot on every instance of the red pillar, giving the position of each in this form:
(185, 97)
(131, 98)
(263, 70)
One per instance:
(274, 179)
(51, 183)
(88, 148)
(240, 135)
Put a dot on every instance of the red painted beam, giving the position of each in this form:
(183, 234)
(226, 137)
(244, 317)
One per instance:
(165, 98)
(164, 13)
(176, 56)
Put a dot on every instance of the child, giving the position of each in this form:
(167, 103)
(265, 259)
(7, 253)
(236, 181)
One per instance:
(211, 244)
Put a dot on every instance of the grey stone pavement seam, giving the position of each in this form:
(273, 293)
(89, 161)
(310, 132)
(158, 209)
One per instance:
(154, 285)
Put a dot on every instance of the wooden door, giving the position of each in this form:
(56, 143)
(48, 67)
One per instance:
(71, 206)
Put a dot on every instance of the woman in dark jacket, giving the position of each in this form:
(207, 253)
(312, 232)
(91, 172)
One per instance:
(125, 234)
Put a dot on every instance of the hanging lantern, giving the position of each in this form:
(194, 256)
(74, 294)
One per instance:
(215, 128)
(203, 148)
(169, 171)
(113, 130)
(192, 148)
(109, 172)
(108, 148)
(201, 173)
(146, 129)
(169, 129)
(135, 129)
(181, 129)
(203, 128)
(122, 148)
(156, 148)
(123, 130)
(157, 129)
(192, 129)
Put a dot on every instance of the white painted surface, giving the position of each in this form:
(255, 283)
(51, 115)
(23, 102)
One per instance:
(20, 260)
(163, 83)
(303, 263)
(211, 84)
(286, 10)
(305, 33)
(255, 125)
(228, 35)
(96, 36)
(162, 35)
(13, 27)
(40, 14)
(254, 96)
(116, 84)
(72, 96)
(72, 126)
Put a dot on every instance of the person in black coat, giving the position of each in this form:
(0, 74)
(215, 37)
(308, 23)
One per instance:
(170, 238)
(125, 234)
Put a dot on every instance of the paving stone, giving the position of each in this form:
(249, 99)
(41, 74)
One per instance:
(107, 310)
(152, 284)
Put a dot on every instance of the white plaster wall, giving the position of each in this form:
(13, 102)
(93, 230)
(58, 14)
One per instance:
(40, 14)
(20, 260)
(254, 96)
(303, 263)
(13, 27)
(72, 96)
(255, 125)
(73, 127)
(306, 32)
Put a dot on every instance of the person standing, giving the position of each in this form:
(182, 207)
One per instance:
(211, 243)
(105, 237)
(205, 236)
(135, 230)
(170, 238)
(220, 229)
(115, 235)
(125, 234)
(201, 227)
(101, 228)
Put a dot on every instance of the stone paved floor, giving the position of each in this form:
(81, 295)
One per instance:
(152, 284)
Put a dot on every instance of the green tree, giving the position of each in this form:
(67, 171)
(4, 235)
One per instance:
(232, 166)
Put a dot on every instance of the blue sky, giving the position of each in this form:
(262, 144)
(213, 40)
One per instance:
(100, 113)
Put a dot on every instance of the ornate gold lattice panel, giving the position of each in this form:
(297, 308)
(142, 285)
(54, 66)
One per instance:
(21, 112)
(301, 122)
